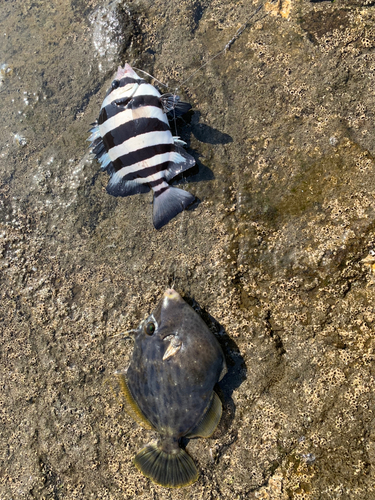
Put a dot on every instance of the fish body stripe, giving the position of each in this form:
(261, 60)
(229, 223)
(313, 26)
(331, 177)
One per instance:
(111, 109)
(134, 144)
(139, 167)
(140, 142)
(126, 81)
(126, 89)
(161, 190)
(133, 129)
(146, 98)
(142, 97)
(141, 155)
(159, 186)
(130, 115)
(146, 172)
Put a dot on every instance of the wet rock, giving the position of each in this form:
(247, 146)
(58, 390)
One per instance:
(112, 29)
(278, 254)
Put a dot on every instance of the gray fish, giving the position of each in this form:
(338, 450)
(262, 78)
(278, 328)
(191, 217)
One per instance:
(168, 387)
(133, 142)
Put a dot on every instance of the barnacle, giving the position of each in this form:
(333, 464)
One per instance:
(279, 8)
(369, 262)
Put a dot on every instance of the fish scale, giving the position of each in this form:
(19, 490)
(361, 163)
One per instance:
(133, 142)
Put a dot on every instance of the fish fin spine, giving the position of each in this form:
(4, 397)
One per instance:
(224, 370)
(178, 141)
(171, 470)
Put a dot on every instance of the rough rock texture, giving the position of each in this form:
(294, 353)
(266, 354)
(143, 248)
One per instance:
(283, 131)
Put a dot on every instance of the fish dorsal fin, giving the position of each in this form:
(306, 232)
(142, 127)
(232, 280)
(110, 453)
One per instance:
(210, 419)
(131, 405)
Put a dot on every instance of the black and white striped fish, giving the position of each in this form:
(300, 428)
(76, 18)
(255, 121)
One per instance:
(133, 142)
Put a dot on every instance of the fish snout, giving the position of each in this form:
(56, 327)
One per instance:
(126, 71)
(171, 294)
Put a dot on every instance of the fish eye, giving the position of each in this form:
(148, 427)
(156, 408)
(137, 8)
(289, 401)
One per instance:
(150, 328)
(115, 84)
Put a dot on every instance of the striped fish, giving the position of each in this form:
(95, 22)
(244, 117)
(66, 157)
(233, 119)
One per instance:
(133, 142)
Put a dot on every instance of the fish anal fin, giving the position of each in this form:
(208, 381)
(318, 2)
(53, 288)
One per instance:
(206, 427)
(171, 470)
(184, 162)
(119, 187)
(131, 405)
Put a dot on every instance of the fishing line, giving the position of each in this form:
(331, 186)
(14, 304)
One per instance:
(238, 33)
(227, 47)
(179, 248)
(152, 77)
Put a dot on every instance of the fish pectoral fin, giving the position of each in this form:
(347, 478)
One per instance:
(173, 347)
(173, 106)
(180, 109)
(131, 406)
(210, 420)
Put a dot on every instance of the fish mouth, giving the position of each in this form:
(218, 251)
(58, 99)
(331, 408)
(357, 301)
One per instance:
(128, 71)
(171, 294)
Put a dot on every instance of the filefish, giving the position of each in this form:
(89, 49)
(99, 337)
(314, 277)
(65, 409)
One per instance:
(133, 142)
(169, 388)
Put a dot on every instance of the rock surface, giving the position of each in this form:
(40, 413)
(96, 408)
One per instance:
(283, 131)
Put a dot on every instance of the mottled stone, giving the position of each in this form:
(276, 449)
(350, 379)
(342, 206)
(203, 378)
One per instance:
(283, 132)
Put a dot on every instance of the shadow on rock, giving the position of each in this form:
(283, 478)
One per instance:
(205, 133)
(195, 174)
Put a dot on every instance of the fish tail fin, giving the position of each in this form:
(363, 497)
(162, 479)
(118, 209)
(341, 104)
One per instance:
(173, 469)
(169, 202)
